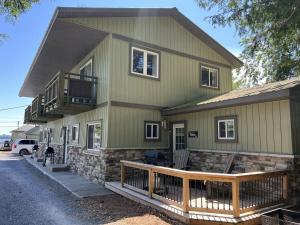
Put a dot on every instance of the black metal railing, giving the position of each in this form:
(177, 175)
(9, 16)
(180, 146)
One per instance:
(69, 89)
(137, 178)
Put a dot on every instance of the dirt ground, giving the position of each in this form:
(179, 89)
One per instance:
(117, 210)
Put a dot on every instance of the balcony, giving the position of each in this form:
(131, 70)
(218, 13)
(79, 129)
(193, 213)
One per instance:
(70, 93)
(27, 116)
(38, 111)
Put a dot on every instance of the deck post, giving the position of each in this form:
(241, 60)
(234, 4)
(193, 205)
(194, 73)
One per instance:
(285, 187)
(151, 182)
(185, 194)
(122, 174)
(236, 197)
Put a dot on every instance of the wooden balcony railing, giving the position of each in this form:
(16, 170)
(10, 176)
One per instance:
(27, 115)
(232, 194)
(70, 93)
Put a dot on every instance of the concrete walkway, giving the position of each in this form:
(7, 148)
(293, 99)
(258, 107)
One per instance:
(76, 184)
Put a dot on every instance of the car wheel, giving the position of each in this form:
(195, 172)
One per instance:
(23, 152)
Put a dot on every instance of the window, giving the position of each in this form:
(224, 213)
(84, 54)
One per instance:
(144, 62)
(94, 136)
(226, 128)
(152, 131)
(87, 68)
(75, 133)
(209, 77)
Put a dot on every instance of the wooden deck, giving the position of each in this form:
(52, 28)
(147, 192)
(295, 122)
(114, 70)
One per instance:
(199, 194)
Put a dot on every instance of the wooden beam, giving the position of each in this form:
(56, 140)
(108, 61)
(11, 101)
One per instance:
(122, 174)
(185, 194)
(151, 182)
(236, 197)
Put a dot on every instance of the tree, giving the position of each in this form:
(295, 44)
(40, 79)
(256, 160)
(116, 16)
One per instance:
(11, 9)
(270, 35)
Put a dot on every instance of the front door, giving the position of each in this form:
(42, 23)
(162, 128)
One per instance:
(179, 140)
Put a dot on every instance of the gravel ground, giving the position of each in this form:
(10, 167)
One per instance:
(27, 197)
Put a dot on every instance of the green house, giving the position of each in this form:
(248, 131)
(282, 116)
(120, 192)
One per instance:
(110, 84)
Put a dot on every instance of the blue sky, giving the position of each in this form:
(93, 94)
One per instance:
(25, 35)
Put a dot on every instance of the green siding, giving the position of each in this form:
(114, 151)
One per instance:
(162, 31)
(127, 128)
(263, 128)
(101, 68)
(82, 119)
(179, 80)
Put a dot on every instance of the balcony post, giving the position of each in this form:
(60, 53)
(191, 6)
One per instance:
(122, 174)
(61, 89)
(285, 187)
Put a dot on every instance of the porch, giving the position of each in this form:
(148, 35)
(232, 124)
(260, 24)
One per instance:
(202, 196)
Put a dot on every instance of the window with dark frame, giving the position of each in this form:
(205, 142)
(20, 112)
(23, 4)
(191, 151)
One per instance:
(152, 131)
(75, 133)
(226, 128)
(94, 136)
(144, 62)
(209, 77)
(87, 68)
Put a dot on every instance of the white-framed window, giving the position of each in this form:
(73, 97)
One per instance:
(87, 68)
(144, 62)
(209, 77)
(152, 131)
(75, 133)
(226, 129)
(94, 135)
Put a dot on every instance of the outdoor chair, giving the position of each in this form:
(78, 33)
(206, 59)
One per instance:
(210, 186)
(49, 154)
(181, 160)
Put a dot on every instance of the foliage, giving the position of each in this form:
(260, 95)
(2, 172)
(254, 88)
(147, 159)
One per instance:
(11, 9)
(270, 35)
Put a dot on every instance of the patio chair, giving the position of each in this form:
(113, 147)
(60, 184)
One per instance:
(181, 160)
(227, 170)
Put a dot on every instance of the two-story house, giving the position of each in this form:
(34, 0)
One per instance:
(111, 83)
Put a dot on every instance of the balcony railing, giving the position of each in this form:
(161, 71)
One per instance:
(70, 93)
(28, 116)
(38, 113)
(204, 192)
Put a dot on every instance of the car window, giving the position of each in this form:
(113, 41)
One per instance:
(27, 142)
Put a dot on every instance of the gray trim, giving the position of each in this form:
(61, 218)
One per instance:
(236, 131)
(265, 97)
(200, 76)
(101, 104)
(160, 48)
(147, 49)
(159, 131)
(135, 105)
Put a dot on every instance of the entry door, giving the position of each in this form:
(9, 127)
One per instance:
(179, 136)
(65, 136)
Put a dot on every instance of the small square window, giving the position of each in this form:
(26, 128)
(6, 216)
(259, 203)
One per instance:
(94, 136)
(152, 131)
(209, 77)
(226, 128)
(144, 62)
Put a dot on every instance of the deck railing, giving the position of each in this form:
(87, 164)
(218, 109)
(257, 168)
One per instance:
(28, 115)
(37, 108)
(232, 194)
(67, 89)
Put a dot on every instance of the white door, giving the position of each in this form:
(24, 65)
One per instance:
(179, 136)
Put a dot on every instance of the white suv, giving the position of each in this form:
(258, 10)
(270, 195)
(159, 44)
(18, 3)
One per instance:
(23, 146)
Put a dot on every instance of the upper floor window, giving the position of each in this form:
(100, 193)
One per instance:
(226, 128)
(87, 68)
(144, 62)
(209, 77)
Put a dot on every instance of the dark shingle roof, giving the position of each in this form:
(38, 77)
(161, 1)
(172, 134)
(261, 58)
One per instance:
(260, 93)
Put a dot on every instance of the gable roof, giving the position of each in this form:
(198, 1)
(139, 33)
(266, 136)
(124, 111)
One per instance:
(260, 93)
(34, 130)
(23, 128)
(60, 38)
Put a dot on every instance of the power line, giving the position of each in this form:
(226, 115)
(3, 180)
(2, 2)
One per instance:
(16, 107)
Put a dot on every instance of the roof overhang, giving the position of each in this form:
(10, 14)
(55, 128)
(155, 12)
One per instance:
(64, 45)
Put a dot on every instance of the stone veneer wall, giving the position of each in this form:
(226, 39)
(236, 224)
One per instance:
(103, 165)
(216, 162)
